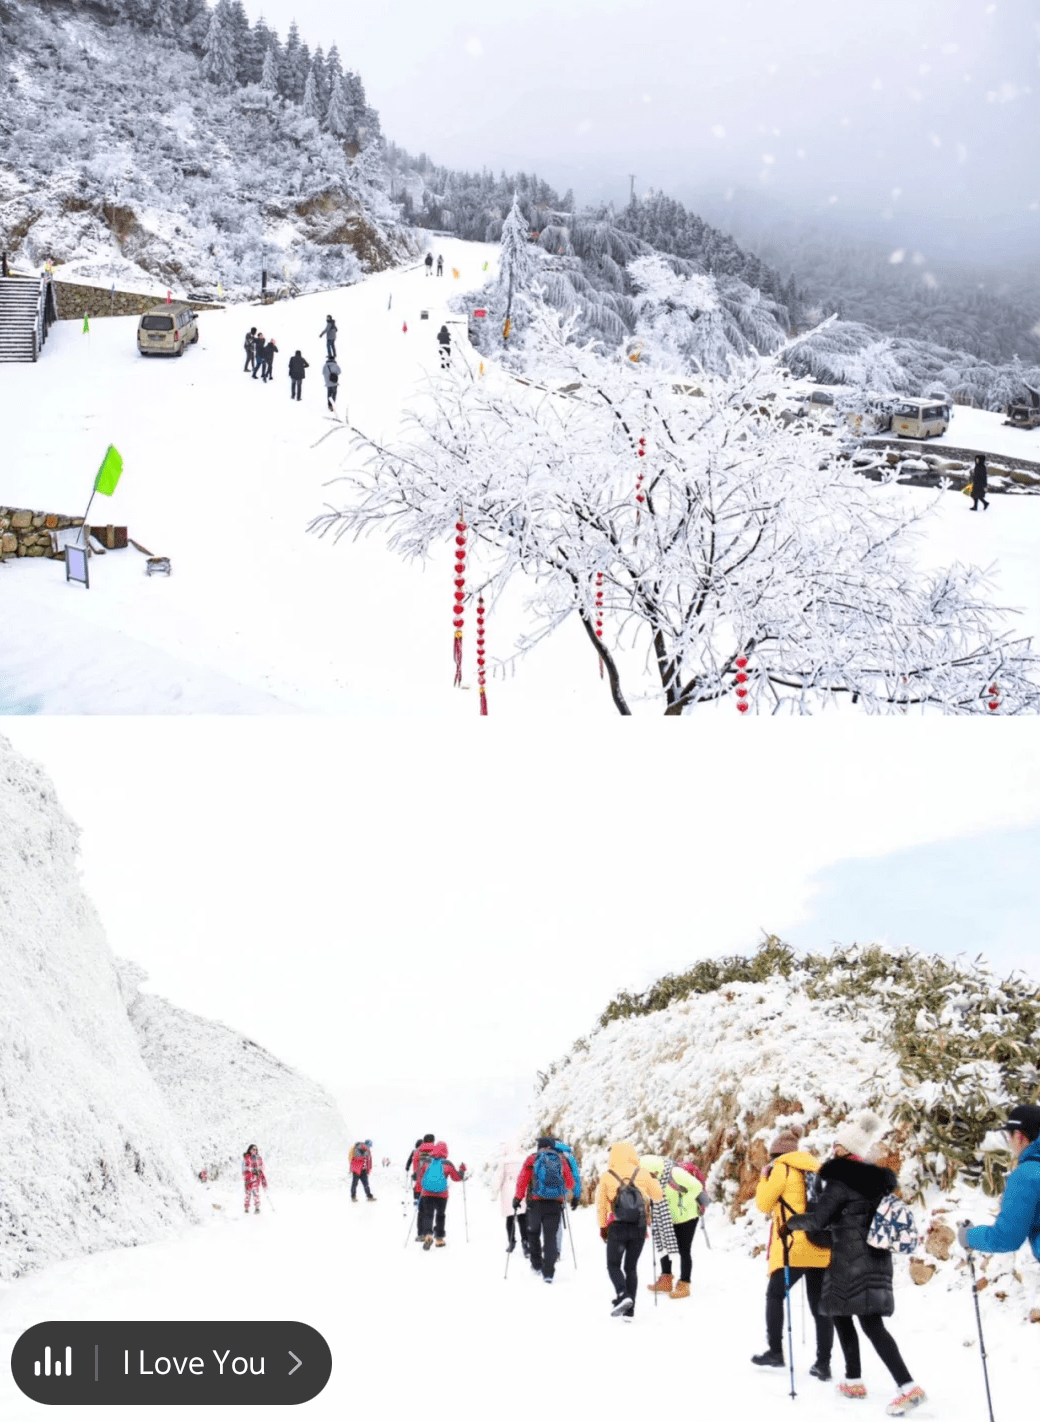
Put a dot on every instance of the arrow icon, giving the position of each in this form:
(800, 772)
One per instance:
(299, 1362)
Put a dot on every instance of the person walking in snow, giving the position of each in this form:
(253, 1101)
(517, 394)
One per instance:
(330, 337)
(258, 353)
(444, 341)
(416, 1163)
(429, 263)
(509, 1166)
(253, 1177)
(545, 1181)
(360, 1166)
(330, 373)
(270, 351)
(858, 1281)
(979, 483)
(250, 343)
(782, 1191)
(297, 368)
(440, 265)
(625, 1197)
(1019, 1217)
(572, 1160)
(682, 1192)
(433, 1191)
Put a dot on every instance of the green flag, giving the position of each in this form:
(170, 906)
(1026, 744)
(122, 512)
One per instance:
(86, 325)
(108, 474)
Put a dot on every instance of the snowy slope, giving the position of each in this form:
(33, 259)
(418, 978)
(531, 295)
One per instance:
(224, 474)
(89, 1149)
(225, 1091)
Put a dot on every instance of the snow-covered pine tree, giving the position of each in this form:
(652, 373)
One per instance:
(293, 73)
(269, 74)
(220, 59)
(321, 79)
(339, 116)
(515, 264)
(311, 101)
(244, 41)
(165, 16)
(753, 539)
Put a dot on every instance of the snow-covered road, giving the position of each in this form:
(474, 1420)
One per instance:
(404, 1324)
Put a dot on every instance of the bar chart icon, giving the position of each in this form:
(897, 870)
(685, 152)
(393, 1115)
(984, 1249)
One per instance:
(46, 1367)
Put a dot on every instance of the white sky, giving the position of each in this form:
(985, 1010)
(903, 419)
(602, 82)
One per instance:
(832, 107)
(410, 918)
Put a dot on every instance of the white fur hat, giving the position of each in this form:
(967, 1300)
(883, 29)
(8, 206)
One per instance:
(859, 1133)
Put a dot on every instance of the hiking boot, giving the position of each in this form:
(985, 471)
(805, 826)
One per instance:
(771, 1358)
(663, 1285)
(852, 1388)
(820, 1370)
(440, 1243)
(371, 1199)
(547, 1279)
(624, 1306)
(526, 1248)
(427, 1241)
(681, 1290)
(907, 1400)
(511, 1246)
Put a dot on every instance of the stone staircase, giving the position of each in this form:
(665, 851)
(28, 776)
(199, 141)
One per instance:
(22, 324)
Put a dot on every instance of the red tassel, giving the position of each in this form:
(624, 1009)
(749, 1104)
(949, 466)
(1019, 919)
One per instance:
(458, 658)
(480, 655)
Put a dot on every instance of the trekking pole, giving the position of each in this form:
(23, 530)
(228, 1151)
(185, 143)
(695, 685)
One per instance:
(567, 1227)
(511, 1245)
(465, 1212)
(804, 1291)
(978, 1320)
(787, 1294)
(704, 1231)
(411, 1222)
(269, 1200)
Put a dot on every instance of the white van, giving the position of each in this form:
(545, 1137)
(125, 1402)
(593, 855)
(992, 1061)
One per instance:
(167, 329)
(919, 419)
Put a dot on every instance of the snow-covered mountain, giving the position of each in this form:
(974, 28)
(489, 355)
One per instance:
(134, 147)
(107, 1115)
(714, 1060)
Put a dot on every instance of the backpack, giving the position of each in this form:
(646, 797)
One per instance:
(433, 1178)
(698, 1174)
(893, 1227)
(333, 378)
(813, 1189)
(629, 1205)
(548, 1175)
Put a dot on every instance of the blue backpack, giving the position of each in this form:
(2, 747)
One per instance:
(548, 1175)
(434, 1179)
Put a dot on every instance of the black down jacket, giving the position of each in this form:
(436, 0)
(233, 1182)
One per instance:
(859, 1279)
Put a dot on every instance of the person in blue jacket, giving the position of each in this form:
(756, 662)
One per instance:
(568, 1156)
(1019, 1217)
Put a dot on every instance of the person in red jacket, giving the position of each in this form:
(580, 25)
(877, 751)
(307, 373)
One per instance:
(360, 1165)
(433, 1193)
(545, 1180)
(253, 1177)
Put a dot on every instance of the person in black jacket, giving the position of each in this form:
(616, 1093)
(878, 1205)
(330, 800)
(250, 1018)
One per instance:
(270, 351)
(258, 353)
(858, 1281)
(429, 263)
(297, 366)
(444, 341)
(250, 343)
(979, 483)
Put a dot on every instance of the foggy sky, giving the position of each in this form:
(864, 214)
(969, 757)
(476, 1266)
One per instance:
(913, 118)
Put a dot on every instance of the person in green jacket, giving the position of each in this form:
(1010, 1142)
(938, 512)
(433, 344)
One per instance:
(682, 1192)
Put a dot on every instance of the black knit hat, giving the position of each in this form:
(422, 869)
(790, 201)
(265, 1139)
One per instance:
(546, 1142)
(1026, 1119)
(429, 1136)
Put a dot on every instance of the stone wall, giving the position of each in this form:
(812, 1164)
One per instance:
(27, 534)
(76, 301)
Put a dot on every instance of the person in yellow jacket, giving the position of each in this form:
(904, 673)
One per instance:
(781, 1193)
(682, 1192)
(625, 1196)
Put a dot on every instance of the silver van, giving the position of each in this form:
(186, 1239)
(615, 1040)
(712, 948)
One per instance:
(167, 329)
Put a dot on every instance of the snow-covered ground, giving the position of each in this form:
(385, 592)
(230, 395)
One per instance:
(221, 474)
(404, 1324)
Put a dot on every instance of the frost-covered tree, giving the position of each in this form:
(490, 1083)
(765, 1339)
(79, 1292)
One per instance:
(311, 101)
(339, 117)
(295, 61)
(321, 80)
(744, 538)
(515, 265)
(165, 16)
(220, 58)
(269, 75)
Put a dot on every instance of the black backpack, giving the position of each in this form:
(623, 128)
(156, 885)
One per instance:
(821, 1238)
(629, 1205)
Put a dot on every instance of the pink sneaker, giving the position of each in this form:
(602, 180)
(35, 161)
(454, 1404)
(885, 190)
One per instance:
(906, 1401)
(852, 1389)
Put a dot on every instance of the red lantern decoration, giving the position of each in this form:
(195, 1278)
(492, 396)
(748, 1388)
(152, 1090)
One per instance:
(599, 616)
(741, 683)
(640, 496)
(460, 583)
(480, 655)
(994, 703)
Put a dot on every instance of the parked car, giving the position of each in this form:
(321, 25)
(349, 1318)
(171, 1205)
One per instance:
(167, 329)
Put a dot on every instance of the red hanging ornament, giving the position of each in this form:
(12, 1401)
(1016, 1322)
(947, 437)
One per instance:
(741, 680)
(404, 326)
(640, 496)
(994, 704)
(480, 655)
(460, 583)
(599, 616)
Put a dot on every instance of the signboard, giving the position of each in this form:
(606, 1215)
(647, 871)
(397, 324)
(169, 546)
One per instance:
(480, 313)
(76, 565)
